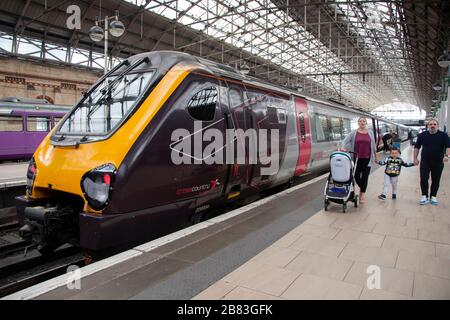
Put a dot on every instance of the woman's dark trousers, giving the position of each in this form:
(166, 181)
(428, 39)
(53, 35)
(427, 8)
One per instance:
(362, 173)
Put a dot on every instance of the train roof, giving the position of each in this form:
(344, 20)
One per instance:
(163, 61)
(11, 105)
(24, 100)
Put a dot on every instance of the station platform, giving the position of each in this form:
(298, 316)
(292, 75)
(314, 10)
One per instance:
(287, 247)
(13, 174)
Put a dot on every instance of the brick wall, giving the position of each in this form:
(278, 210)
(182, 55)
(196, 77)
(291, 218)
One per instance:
(28, 79)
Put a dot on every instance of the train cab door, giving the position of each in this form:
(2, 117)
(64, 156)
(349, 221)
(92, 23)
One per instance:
(187, 148)
(238, 118)
(207, 174)
(304, 135)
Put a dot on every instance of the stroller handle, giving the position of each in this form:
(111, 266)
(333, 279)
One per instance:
(355, 155)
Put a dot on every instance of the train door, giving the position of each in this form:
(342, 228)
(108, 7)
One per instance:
(304, 135)
(269, 115)
(238, 118)
(202, 115)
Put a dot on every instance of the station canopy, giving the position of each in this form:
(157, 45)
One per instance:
(362, 53)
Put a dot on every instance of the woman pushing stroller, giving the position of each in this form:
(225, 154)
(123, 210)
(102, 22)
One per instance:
(362, 142)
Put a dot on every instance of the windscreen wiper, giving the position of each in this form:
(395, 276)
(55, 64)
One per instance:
(55, 138)
(107, 91)
(62, 142)
(72, 142)
(124, 73)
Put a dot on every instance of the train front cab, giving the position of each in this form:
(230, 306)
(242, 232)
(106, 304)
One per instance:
(76, 173)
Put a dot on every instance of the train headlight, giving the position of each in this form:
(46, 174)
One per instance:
(31, 175)
(97, 185)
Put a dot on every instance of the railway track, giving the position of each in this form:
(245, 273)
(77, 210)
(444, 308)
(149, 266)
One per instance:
(22, 271)
(21, 265)
(10, 226)
(10, 241)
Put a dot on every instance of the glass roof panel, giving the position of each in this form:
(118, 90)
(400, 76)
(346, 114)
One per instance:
(264, 30)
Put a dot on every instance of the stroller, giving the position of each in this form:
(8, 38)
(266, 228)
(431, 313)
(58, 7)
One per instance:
(340, 187)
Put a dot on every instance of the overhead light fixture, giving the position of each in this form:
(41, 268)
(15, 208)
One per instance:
(444, 60)
(116, 27)
(96, 33)
(437, 86)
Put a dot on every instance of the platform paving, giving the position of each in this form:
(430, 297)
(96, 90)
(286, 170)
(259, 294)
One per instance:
(13, 174)
(333, 255)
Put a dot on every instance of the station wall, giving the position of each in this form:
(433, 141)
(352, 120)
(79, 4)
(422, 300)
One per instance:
(30, 79)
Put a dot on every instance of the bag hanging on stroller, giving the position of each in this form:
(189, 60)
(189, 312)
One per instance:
(340, 186)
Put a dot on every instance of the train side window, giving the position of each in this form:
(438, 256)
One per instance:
(301, 119)
(40, 124)
(346, 127)
(276, 115)
(272, 115)
(11, 123)
(237, 106)
(202, 106)
(322, 128)
(236, 98)
(335, 128)
(281, 115)
(354, 123)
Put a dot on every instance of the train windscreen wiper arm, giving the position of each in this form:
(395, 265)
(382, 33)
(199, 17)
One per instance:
(124, 73)
(115, 82)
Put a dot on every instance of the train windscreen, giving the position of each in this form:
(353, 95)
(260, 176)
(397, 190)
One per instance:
(104, 108)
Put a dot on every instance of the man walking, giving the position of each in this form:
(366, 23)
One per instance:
(435, 146)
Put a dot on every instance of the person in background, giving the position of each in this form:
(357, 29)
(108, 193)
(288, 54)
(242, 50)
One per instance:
(435, 146)
(386, 139)
(396, 141)
(393, 167)
(362, 142)
(410, 137)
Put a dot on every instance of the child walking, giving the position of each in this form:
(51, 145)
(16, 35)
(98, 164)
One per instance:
(393, 167)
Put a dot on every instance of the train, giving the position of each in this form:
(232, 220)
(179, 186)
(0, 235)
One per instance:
(24, 123)
(164, 137)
